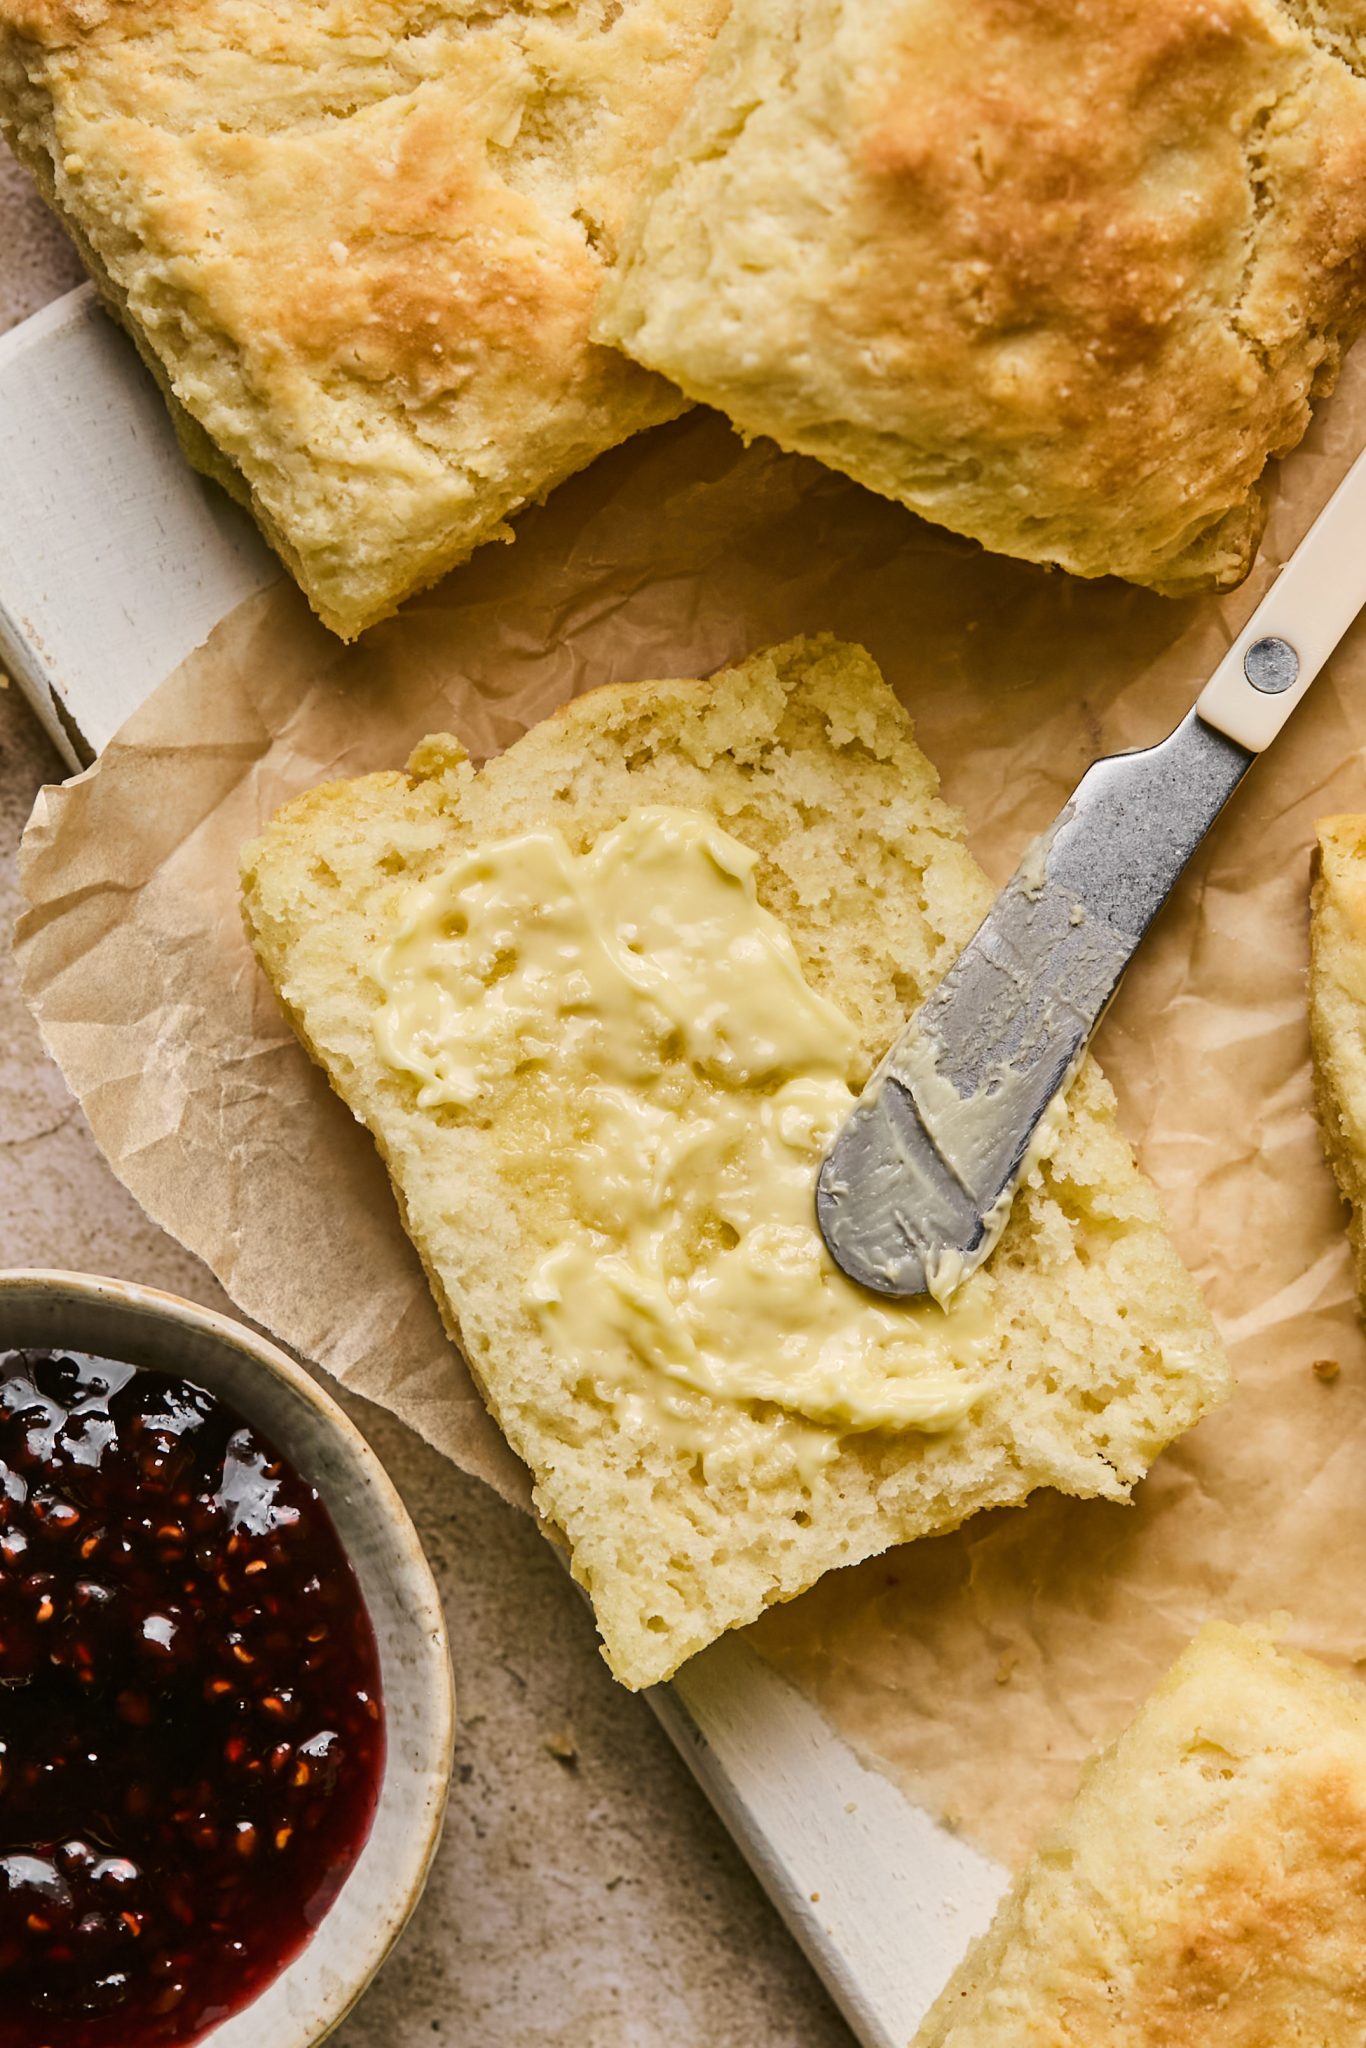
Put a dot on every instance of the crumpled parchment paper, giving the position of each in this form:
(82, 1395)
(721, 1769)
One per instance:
(982, 1667)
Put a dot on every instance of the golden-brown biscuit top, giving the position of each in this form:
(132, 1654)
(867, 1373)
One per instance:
(1206, 1889)
(359, 241)
(1059, 274)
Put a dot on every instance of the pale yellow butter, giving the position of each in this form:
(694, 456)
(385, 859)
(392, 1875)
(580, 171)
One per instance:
(644, 981)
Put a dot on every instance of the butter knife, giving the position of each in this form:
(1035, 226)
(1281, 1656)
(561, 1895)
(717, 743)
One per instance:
(918, 1185)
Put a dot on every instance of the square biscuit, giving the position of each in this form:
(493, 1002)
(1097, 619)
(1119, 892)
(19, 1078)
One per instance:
(1207, 1886)
(1060, 276)
(1090, 1345)
(358, 242)
(1337, 1012)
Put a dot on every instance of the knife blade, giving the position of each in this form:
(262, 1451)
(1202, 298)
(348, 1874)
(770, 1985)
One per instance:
(918, 1185)
(910, 1196)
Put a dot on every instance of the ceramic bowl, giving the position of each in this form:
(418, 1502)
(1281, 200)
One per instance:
(115, 1319)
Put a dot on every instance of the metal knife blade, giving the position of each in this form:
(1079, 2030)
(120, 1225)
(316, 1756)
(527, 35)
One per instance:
(918, 1184)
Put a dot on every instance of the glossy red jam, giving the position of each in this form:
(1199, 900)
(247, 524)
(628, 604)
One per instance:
(191, 1738)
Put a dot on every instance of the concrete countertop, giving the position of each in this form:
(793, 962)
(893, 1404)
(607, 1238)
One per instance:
(585, 1896)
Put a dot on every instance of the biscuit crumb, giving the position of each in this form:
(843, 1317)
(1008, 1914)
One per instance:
(1005, 1670)
(1326, 1369)
(560, 1744)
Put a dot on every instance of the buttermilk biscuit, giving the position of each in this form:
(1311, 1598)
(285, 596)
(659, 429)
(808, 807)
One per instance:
(1058, 275)
(1086, 1346)
(1337, 1012)
(1207, 1886)
(357, 242)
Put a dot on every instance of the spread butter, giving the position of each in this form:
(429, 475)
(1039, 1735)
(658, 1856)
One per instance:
(646, 985)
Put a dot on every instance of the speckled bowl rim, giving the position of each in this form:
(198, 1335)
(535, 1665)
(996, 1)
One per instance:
(53, 1289)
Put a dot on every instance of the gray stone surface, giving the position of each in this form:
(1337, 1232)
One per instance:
(36, 260)
(580, 1900)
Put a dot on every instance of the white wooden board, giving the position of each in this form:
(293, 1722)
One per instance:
(115, 562)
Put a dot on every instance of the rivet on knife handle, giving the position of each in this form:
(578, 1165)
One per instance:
(918, 1185)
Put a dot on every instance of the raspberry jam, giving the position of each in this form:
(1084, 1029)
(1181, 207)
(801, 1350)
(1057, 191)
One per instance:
(191, 1739)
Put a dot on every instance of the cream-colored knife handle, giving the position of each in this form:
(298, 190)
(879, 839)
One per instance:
(1297, 624)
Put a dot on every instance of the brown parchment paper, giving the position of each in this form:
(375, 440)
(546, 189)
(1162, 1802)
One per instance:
(979, 1668)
